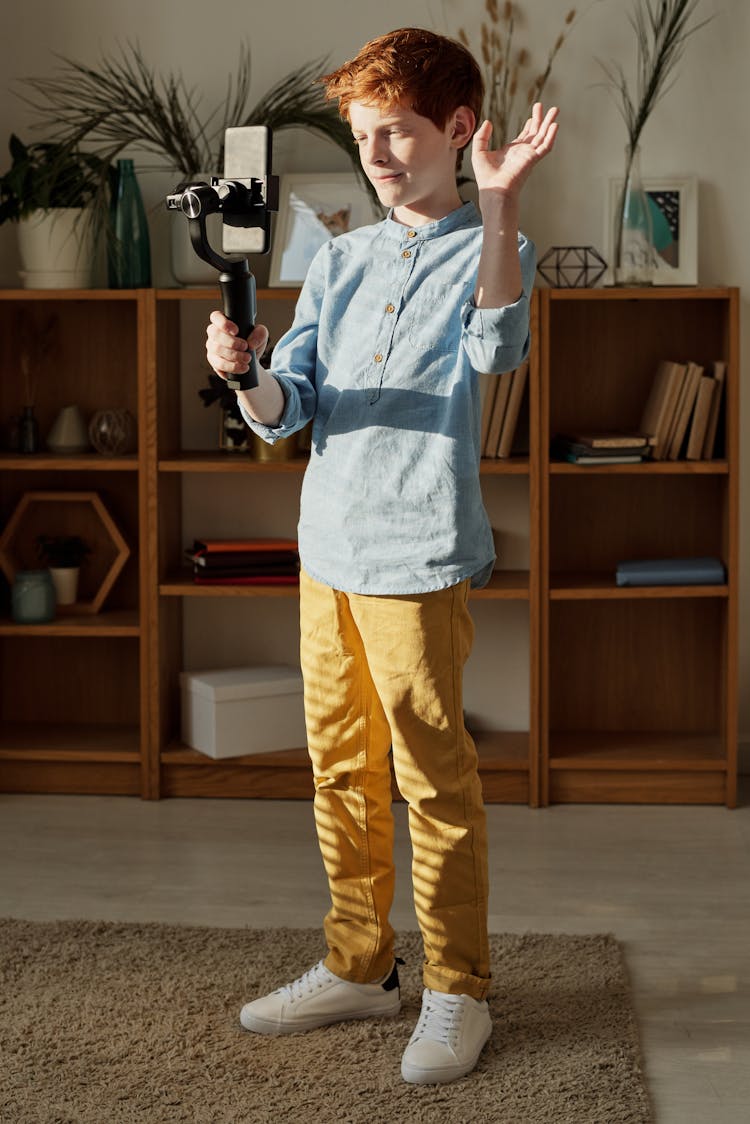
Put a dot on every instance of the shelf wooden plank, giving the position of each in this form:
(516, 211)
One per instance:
(646, 468)
(504, 585)
(201, 461)
(504, 466)
(114, 622)
(602, 587)
(50, 741)
(653, 293)
(212, 294)
(642, 751)
(69, 294)
(286, 775)
(45, 462)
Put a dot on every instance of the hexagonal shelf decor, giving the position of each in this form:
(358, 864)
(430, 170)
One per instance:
(66, 513)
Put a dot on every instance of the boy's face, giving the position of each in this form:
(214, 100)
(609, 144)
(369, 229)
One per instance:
(409, 160)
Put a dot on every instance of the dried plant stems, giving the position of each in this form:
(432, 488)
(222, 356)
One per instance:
(503, 67)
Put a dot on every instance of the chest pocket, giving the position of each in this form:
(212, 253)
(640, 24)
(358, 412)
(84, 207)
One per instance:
(435, 318)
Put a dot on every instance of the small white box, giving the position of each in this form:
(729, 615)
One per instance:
(243, 710)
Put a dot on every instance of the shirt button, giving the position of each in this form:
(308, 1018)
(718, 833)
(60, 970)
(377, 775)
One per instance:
(390, 308)
(406, 254)
(378, 358)
(412, 234)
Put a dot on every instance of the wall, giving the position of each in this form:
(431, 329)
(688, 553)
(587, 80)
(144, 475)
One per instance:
(698, 129)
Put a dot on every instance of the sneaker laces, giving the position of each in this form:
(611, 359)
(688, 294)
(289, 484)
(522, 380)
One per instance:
(306, 984)
(440, 1019)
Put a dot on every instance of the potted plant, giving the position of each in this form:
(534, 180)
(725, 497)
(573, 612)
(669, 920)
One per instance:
(63, 555)
(47, 191)
(124, 104)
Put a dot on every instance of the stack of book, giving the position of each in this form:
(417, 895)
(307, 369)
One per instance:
(244, 562)
(502, 396)
(681, 413)
(602, 448)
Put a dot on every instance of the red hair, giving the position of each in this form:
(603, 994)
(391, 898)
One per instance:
(413, 68)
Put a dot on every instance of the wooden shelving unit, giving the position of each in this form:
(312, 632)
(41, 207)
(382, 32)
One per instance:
(639, 685)
(632, 691)
(72, 713)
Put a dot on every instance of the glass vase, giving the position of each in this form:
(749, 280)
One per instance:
(634, 237)
(129, 256)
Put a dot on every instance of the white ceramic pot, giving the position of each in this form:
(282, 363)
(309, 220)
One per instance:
(57, 249)
(65, 581)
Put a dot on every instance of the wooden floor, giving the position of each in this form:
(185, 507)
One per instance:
(672, 883)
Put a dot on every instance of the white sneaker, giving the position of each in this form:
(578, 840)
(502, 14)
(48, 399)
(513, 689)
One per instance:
(318, 998)
(448, 1038)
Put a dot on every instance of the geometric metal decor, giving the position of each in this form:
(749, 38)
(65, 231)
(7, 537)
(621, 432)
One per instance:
(66, 513)
(572, 267)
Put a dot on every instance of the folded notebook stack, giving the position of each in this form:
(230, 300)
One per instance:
(244, 562)
(602, 448)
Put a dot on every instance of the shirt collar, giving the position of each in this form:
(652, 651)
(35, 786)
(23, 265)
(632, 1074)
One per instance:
(466, 215)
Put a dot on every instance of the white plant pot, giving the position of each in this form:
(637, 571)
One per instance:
(65, 581)
(57, 249)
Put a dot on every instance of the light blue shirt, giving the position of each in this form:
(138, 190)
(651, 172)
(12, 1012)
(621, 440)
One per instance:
(384, 354)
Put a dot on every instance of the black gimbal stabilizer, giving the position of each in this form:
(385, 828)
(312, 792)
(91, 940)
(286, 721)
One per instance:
(245, 198)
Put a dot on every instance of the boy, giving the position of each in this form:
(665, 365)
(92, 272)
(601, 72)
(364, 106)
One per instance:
(392, 325)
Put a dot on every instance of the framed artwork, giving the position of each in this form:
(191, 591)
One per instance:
(313, 208)
(674, 215)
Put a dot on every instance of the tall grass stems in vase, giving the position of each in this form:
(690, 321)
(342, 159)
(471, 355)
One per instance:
(662, 29)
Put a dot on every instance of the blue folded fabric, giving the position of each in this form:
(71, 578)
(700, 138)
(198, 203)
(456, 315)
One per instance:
(672, 571)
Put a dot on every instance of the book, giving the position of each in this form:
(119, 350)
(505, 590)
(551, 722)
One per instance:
(517, 397)
(610, 439)
(233, 559)
(699, 424)
(671, 571)
(487, 391)
(255, 579)
(684, 410)
(498, 413)
(661, 403)
(719, 375)
(575, 458)
(254, 545)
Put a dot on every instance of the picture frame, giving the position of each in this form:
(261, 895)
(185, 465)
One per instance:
(313, 208)
(674, 203)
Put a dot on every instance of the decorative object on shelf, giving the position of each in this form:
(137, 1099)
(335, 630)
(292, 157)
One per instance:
(234, 434)
(284, 450)
(112, 432)
(63, 555)
(673, 207)
(505, 66)
(572, 267)
(33, 597)
(48, 191)
(66, 515)
(313, 208)
(662, 28)
(28, 431)
(129, 252)
(69, 433)
(123, 103)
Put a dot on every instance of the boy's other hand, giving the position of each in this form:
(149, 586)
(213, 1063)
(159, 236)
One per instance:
(226, 351)
(505, 170)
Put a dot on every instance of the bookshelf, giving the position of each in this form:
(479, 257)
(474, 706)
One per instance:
(508, 760)
(632, 692)
(639, 684)
(72, 716)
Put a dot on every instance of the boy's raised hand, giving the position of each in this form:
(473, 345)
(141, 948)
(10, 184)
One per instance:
(505, 170)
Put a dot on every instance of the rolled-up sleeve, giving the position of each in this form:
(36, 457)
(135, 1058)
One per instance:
(497, 339)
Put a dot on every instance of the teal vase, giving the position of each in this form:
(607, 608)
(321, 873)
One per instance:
(129, 257)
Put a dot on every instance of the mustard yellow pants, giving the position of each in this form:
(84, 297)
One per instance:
(385, 673)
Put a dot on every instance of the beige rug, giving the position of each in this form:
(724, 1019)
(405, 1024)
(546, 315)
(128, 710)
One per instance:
(106, 1023)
